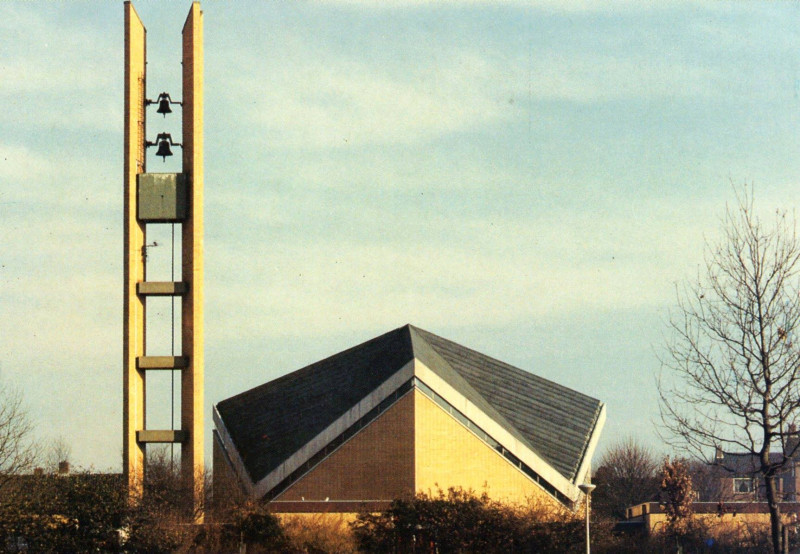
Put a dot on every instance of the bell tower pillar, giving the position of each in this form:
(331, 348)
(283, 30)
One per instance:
(133, 323)
(192, 402)
(157, 198)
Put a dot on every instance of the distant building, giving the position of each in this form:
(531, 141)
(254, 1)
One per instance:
(720, 518)
(740, 480)
(731, 495)
(402, 413)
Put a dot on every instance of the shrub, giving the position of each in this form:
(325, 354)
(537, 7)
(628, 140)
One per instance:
(258, 527)
(328, 533)
(79, 512)
(461, 521)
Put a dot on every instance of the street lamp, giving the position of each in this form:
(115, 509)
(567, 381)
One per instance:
(587, 489)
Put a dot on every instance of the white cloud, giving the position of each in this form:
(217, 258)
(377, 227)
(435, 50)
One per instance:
(56, 72)
(287, 98)
(557, 6)
(476, 272)
(62, 178)
(338, 102)
(67, 67)
(594, 77)
(19, 164)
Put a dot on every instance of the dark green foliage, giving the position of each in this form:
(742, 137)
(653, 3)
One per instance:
(460, 521)
(89, 512)
(84, 512)
(256, 526)
(63, 513)
(249, 524)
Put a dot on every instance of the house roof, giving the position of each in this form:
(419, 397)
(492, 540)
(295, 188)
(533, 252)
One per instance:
(745, 464)
(271, 422)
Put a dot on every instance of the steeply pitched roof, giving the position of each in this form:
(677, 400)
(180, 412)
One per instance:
(745, 464)
(271, 422)
(552, 420)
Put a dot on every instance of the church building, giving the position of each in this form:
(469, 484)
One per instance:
(405, 412)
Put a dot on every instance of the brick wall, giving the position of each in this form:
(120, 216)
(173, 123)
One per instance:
(376, 464)
(450, 455)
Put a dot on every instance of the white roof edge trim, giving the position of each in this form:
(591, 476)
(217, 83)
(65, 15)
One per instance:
(496, 431)
(231, 451)
(586, 463)
(301, 456)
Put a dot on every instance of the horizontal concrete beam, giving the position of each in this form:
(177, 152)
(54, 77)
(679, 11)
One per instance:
(162, 288)
(162, 362)
(168, 436)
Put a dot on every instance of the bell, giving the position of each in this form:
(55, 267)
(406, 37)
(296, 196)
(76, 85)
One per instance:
(163, 149)
(163, 106)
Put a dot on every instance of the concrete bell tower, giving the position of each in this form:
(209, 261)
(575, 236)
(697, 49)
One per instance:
(163, 198)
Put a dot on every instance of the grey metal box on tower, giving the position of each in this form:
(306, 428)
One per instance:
(162, 197)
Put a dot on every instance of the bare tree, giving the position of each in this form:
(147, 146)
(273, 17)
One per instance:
(58, 452)
(626, 475)
(707, 480)
(165, 518)
(731, 373)
(17, 451)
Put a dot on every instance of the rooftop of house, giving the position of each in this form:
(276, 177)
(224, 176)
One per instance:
(745, 464)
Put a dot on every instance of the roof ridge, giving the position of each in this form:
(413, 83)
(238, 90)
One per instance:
(267, 425)
(463, 384)
(543, 423)
(311, 367)
(506, 365)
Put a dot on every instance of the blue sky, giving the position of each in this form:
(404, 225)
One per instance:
(529, 180)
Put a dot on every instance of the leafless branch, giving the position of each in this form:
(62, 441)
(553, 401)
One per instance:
(17, 451)
(730, 373)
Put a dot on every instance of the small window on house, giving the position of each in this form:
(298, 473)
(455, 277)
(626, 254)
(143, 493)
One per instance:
(742, 485)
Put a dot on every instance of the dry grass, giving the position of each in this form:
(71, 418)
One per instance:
(328, 533)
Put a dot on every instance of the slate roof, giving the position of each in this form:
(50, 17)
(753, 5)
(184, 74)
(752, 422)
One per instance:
(745, 464)
(552, 420)
(271, 422)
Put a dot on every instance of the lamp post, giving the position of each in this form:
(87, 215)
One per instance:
(587, 489)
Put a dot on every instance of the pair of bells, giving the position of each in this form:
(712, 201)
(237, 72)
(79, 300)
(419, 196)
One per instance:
(164, 140)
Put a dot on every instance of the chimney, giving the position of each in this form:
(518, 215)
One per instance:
(718, 455)
(792, 441)
(38, 471)
(63, 468)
